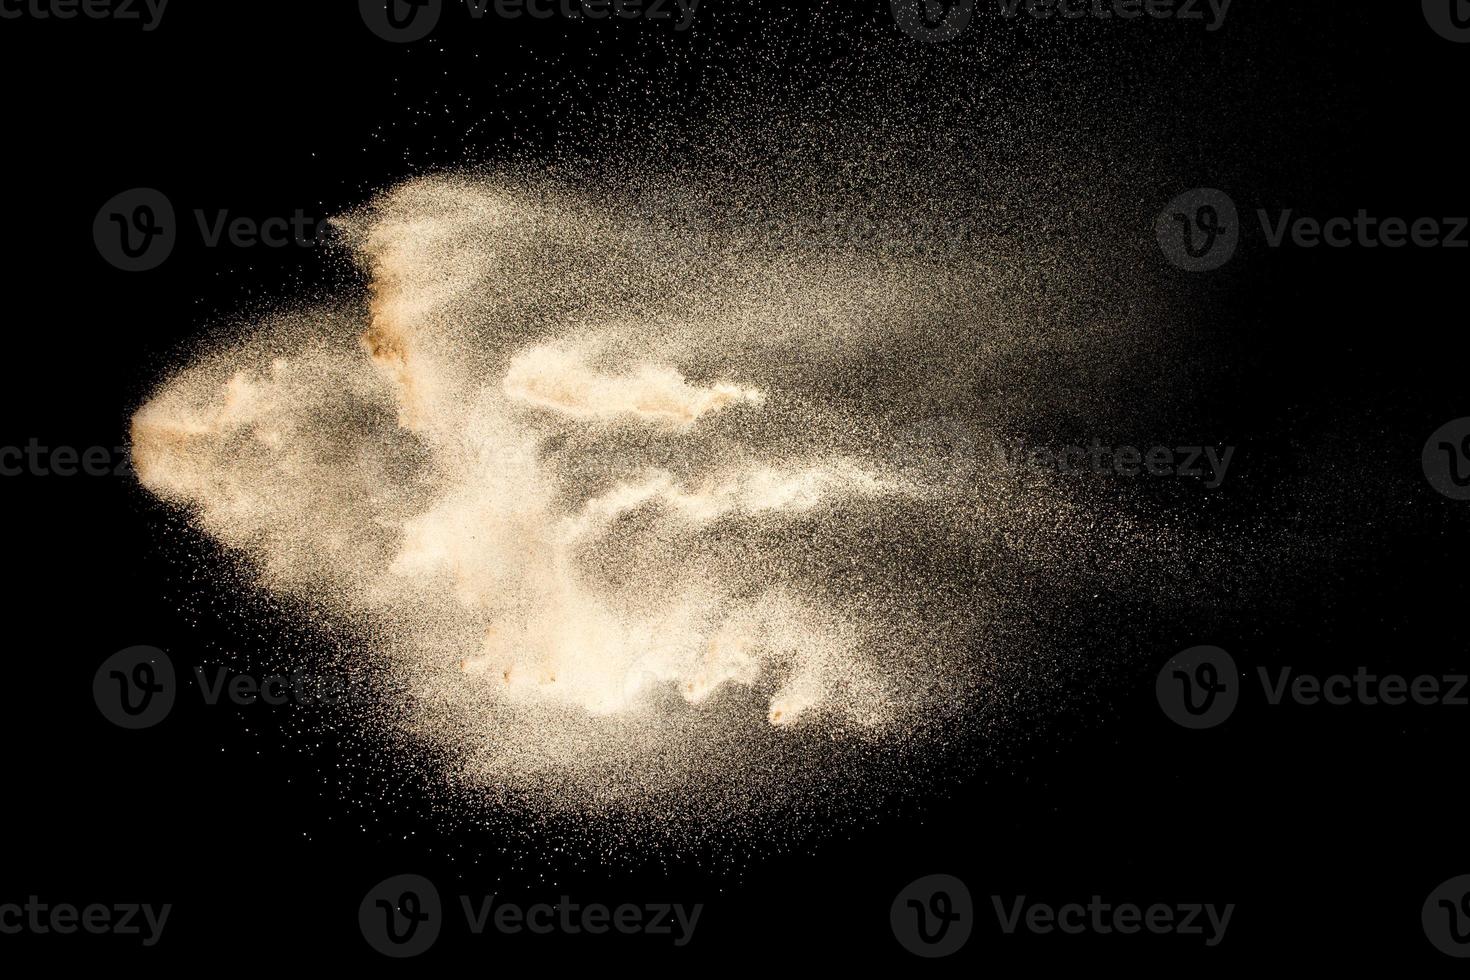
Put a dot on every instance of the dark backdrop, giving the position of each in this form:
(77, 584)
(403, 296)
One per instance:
(1327, 827)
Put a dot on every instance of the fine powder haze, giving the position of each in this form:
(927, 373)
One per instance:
(645, 511)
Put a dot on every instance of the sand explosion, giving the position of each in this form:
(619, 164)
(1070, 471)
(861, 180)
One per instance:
(632, 510)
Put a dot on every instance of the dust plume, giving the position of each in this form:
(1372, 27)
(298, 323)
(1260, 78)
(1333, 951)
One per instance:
(641, 515)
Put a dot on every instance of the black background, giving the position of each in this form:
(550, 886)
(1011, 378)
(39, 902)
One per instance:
(1327, 827)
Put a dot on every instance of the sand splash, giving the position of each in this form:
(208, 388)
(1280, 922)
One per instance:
(639, 517)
